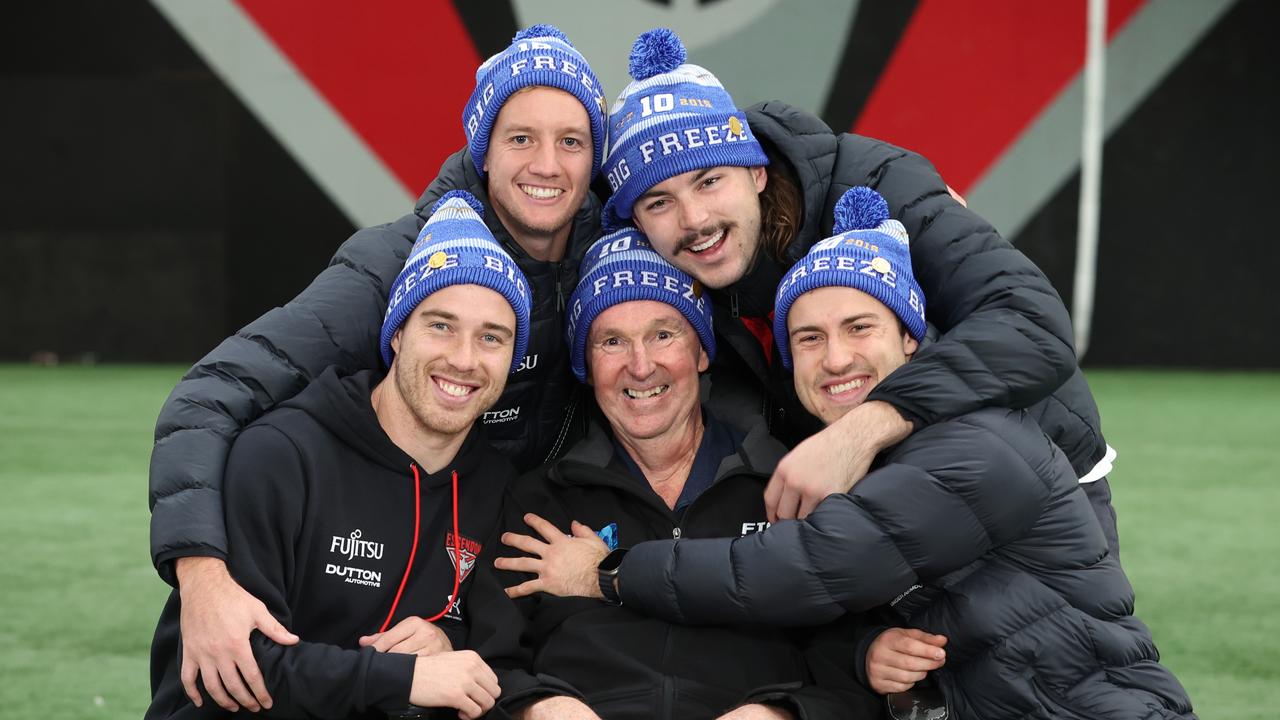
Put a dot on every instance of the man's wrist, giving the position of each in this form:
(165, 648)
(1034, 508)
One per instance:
(195, 568)
(886, 426)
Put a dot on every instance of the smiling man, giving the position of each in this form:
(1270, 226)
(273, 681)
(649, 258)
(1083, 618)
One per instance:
(361, 510)
(735, 197)
(535, 138)
(654, 465)
(973, 529)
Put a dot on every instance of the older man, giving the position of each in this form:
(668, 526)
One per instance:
(974, 528)
(654, 465)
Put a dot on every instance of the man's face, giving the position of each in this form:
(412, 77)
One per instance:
(643, 360)
(705, 222)
(843, 342)
(453, 355)
(539, 161)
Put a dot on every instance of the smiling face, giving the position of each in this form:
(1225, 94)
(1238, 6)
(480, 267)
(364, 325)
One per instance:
(843, 342)
(705, 222)
(452, 357)
(539, 164)
(643, 360)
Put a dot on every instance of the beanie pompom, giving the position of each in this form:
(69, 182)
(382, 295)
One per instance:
(655, 52)
(462, 195)
(540, 30)
(860, 208)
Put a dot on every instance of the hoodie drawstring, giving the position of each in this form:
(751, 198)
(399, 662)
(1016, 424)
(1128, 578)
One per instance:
(413, 551)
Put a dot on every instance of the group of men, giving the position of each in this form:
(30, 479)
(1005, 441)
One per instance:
(773, 446)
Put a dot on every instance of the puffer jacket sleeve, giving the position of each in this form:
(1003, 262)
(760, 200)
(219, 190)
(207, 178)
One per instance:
(1007, 338)
(334, 321)
(948, 495)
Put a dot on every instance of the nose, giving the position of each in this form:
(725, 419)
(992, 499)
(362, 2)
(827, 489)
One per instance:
(693, 215)
(837, 357)
(463, 355)
(639, 364)
(544, 161)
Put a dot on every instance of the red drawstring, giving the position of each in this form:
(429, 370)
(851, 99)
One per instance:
(413, 551)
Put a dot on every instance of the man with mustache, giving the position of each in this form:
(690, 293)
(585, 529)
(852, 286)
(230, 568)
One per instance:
(974, 529)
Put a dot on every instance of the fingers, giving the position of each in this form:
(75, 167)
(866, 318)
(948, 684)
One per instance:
(582, 531)
(807, 504)
(235, 687)
(367, 640)
(256, 683)
(400, 632)
(524, 543)
(519, 564)
(543, 527)
(788, 503)
(189, 674)
(524, 589)
(267, 623)
(213, 685)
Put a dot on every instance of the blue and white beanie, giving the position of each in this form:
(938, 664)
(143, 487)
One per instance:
(869, 252)
(455, 248)
(675, 117)
(621, 267)
(539, 55)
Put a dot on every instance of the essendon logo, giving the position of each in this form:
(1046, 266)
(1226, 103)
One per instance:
(469, 550)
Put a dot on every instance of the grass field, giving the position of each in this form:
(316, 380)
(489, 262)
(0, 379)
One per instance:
(1197, 486)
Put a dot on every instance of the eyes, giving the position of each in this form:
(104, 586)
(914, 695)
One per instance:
(570, 142)
(441, 327)
(657, 204)
(615, 343)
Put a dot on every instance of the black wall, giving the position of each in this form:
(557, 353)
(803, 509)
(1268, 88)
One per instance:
(146, 214)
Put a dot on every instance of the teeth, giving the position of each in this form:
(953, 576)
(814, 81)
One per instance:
(454, 390)
(708, 244)
(541, 193)
(642, 394)
(845, 387)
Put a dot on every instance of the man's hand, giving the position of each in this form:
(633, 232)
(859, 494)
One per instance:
(217, 618)
(565, 565)
(832, 460)
(459, 680)
(557, 707)
(411, 636)
(900, 657)
(756, 711)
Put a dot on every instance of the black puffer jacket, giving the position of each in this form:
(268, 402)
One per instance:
(974, 528)
(1006, 337)
(628, 665)
(335, 322)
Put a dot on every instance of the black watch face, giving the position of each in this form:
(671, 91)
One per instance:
(611, 561)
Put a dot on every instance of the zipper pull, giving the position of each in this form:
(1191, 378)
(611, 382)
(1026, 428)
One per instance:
(559, 290)
(733, 304)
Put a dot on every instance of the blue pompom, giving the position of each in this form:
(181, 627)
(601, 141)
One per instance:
(540, 30)
(463, 195)
(655, 52)
(860, 208)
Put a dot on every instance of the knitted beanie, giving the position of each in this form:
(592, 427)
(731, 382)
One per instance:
(621, 267)
(674, 117)
(539, 55)
(455, 248)
(869, 252)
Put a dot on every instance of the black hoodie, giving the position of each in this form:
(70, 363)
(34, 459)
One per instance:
(320, 514)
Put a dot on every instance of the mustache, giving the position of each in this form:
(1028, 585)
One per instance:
(701, 234)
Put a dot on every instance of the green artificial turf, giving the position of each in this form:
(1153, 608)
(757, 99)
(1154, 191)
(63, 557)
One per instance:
(1196, 483)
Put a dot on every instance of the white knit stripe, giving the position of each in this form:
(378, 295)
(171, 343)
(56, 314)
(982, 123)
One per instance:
(646, 123)
(478, 243)
(687, 73)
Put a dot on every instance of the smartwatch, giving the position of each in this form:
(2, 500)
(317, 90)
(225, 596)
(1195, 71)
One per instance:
(608, 573)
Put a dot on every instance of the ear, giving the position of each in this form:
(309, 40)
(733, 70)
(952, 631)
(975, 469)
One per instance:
(760, 177)
(909, 345)
(703, 361)
(395, 340)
